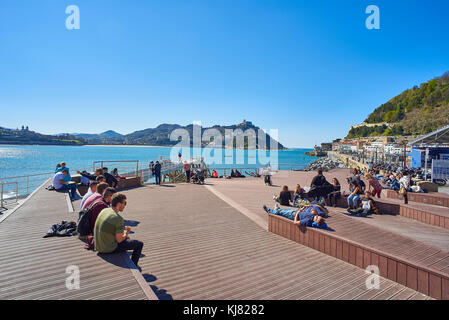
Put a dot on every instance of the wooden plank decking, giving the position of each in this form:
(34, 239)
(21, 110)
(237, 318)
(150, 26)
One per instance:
(32, 267)
(196, 246)
(420, 244)
(200, 247)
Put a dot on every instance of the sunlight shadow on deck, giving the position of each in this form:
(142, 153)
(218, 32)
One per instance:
(160, 293)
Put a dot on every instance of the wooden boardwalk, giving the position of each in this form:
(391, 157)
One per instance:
(196, 246)
(418, 244)
(32, 267)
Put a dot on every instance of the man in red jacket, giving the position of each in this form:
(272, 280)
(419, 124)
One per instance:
(100, 205)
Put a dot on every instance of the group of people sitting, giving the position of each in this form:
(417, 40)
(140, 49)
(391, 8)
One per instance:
(62, 180)
(360, 201)
(108, 233)
(321, 193)
(104, 205)
(234, 174)
(311, 203)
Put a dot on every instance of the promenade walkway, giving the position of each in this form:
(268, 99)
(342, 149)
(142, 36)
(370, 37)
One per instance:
(32, 267)
(200, 242)
(417, 244)
(198, 246)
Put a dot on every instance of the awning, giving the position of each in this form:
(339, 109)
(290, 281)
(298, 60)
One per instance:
(437, 138)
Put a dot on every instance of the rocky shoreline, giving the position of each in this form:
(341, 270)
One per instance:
(326, 163)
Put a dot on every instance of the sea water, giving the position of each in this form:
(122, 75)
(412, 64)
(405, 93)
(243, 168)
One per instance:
(19, 160)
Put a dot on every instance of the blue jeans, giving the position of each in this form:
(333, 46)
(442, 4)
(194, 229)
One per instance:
(158, 178)
(69, 187)
(287, 213)
(353, 198)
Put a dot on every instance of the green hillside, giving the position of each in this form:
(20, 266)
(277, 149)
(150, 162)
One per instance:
(416, 111)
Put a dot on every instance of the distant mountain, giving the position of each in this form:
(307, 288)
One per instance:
(159, 136)
(106, 134)
(416, 111)
(110, 134)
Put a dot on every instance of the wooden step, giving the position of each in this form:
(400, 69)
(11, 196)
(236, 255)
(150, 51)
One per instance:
(409, 262)
(433, 198)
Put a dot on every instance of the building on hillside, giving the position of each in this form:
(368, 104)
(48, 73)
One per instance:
(326, 146)
(345, 146)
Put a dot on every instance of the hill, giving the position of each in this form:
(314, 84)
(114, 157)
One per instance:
(161, 135)
(106, 135)
(25, 136)
(415, 111)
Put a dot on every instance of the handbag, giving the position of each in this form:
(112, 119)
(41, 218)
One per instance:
(402, 191)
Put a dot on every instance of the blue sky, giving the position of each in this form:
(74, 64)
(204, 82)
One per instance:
(307, 68)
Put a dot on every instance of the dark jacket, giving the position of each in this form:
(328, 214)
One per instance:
(157, 169)
(318, 181)
(89, 176)
(110, 179)
(63, 229)
(320, 187)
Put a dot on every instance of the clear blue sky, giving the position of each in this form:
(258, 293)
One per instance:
(308, 68)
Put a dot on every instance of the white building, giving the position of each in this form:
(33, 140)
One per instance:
(396, 149)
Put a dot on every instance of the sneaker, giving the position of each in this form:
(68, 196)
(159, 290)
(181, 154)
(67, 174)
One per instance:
(266, 208)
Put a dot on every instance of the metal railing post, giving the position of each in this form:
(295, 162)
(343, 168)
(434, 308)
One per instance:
(17, 192)
(28, 184)
(1, 197)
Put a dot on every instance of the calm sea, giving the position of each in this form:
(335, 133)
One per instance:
(26, 160)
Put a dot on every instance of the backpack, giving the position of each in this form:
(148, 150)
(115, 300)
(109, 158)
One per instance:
(84, 220)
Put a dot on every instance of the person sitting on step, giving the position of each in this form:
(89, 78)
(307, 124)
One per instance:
(285, 197)
(366, 207)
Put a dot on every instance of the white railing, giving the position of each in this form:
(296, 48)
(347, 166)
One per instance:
(14, 188)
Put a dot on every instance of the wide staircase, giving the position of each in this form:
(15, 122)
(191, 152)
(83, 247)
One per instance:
(409, 243)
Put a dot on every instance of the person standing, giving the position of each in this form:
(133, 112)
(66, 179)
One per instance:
(187, 170)
(157, 172)
(404, 182)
